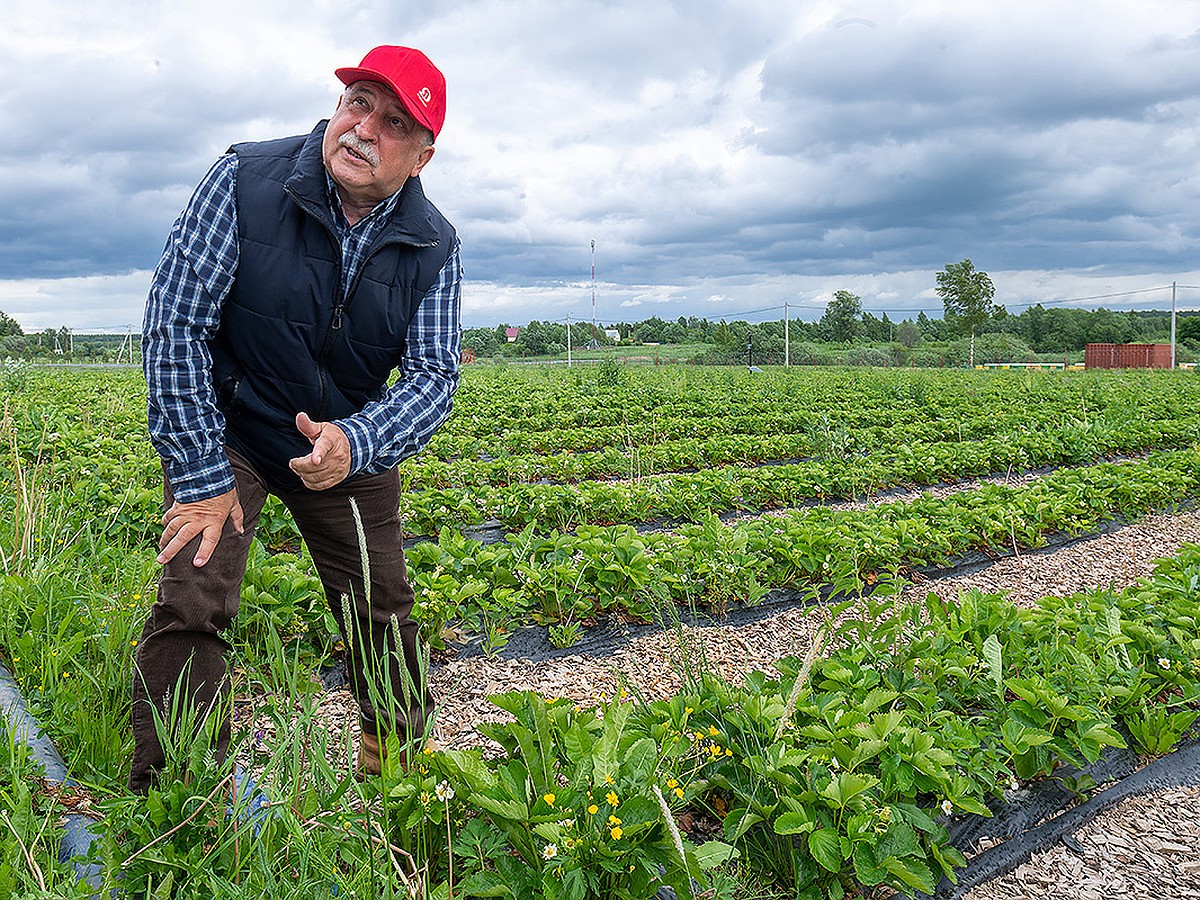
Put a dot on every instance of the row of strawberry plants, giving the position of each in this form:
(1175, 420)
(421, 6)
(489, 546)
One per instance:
(565, 578)
(547, 411)
(690, 496)
(494, 412)
(625, 458)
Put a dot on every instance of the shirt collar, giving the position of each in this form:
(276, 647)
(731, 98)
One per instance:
(383, 209)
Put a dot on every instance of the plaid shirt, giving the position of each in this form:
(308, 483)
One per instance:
(183, 312)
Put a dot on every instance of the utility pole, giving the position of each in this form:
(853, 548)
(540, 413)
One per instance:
(1172, 325)
(787, 337)
(568, 340)
(594, 332)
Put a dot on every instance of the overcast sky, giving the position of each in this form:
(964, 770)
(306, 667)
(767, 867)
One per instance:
(725, 157)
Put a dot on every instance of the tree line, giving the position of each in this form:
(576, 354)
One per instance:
(61, 344)
(969, 315)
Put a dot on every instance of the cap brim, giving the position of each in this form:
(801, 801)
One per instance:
(350, 75)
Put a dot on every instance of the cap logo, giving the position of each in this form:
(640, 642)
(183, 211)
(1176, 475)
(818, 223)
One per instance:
(424, 95)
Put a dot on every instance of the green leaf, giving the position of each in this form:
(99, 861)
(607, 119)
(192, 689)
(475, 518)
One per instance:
(845, 786)
(883, 724)
(946, 858)
(1020, 738)
(898, 774)
(816, 732)
(163, 891)
(876, 698)
(866, 867)
(917, 817)
(738, 822)
(505, 809)
(469, 768)
(914, 873)
(993, 657)
(971, 805)
(1024, 689)
(714, 853)
(826, 848)
(574, 885)
(640, 760)
(865, 751)
(795, 823)
(415, 817)
(578, 743)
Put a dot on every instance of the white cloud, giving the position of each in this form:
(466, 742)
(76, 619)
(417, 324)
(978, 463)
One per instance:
(764, 148)
(97, 303)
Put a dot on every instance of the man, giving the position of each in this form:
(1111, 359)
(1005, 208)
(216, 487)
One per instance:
(301, 274)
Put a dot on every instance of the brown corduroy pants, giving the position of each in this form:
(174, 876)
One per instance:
(182, 639)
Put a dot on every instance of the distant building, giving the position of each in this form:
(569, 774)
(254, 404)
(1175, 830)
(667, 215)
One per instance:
(1127, 356)
(510, 334)
(613, 335)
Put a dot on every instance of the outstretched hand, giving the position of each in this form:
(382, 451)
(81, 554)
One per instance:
(183, 521)
(329, 462)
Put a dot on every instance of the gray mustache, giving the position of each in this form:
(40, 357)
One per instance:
(359, 146)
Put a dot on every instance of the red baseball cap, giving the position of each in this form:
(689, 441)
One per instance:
(408, 72)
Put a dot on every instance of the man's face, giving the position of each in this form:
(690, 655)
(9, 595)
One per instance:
(372, 145)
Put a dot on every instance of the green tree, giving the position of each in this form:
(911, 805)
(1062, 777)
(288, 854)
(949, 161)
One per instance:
(533, 339)
(723, 335)
(1187, 328)
(1107, 327)
(651, 330)
(841, 316)
(933, 329)
(483, 341)
(967, 300)
(9, 327)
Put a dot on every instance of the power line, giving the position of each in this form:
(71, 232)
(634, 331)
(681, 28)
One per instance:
(1165, 287)
(751, 312)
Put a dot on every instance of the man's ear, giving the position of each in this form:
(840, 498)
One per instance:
(425, 157)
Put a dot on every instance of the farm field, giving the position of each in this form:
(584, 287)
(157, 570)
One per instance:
(573, 501)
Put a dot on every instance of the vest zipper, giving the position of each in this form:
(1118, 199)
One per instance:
(335, 324)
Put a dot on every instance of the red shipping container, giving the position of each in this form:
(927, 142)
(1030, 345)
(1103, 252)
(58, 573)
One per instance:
(1127, 356)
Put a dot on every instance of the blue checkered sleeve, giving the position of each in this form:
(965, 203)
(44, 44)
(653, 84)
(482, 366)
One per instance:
(396, 427)
(183, 311)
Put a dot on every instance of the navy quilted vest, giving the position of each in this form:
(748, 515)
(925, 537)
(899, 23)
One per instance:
(288, 340)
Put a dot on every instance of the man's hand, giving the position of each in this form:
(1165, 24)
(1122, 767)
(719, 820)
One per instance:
(329, 462)
(183, 521)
